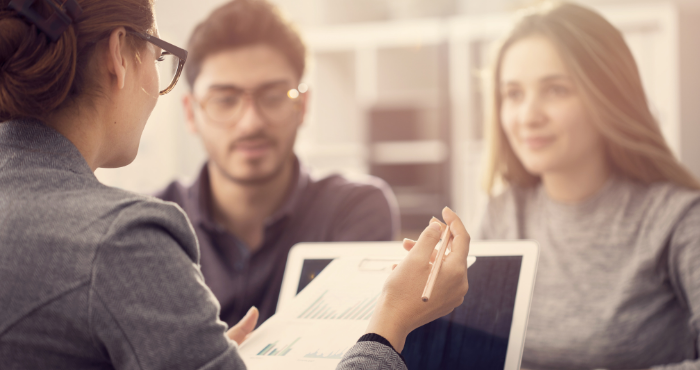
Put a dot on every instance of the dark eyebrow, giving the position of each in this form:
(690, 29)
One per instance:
(238, 88)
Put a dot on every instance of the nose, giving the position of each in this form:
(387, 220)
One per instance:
(251, 119)
(532, 112)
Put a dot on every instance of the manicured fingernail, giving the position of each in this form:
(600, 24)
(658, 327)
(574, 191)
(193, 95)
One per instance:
(435, 226)
(434, 219)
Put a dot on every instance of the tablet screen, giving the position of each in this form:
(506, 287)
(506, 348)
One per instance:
(310, 270)
(475, 334)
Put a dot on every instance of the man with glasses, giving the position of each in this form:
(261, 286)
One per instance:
(253, 200)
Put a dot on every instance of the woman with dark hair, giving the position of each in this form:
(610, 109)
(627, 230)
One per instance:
(585, 171)
(93, 277)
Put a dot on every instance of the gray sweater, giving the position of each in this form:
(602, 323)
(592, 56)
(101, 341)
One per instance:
(93, 277)
(618, 281)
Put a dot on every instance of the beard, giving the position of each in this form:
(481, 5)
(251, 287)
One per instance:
(260, 178)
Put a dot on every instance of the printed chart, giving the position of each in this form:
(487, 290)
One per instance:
(322, 309)
(301, 345)
(337, 355)
(273, 350)
(321, 324)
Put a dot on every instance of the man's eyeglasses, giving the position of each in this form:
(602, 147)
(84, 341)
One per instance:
(277, 103)
(170, 63)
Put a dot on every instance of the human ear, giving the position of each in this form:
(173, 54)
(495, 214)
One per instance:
(188, 103)
(117, 62)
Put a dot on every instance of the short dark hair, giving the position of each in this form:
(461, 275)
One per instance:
(242, 23)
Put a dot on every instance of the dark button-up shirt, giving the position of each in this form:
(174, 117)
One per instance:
(315, 210)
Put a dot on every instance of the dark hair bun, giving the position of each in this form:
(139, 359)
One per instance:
(35, 74)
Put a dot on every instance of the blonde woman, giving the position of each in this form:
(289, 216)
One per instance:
(586, 172)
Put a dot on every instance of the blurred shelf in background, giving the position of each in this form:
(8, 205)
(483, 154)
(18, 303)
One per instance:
(409, 149)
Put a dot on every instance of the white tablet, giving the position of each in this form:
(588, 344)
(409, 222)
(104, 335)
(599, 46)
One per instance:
(486, 332)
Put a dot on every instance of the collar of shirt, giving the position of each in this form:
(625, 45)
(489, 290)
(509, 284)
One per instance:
(45, 144)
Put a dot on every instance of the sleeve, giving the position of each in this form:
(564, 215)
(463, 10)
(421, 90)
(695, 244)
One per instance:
(149, 306)
(684, 260)
(370, 355)
(368, 213)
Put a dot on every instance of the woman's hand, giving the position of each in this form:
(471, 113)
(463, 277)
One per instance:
(241, 331)
(400, 309)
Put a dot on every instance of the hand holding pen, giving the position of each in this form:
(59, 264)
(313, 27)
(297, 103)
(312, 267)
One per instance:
(400, 308)
(437, 261)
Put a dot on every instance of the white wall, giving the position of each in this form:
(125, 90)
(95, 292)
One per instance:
(167, 150)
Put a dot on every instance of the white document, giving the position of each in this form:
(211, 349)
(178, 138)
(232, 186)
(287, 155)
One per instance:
(324, 320)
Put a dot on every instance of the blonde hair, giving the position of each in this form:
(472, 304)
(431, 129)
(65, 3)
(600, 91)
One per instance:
(604, 69)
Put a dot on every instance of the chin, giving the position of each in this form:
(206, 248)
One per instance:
(120, 161)
(248, 173)
(536, 163)
(535, 168)
(254, 177)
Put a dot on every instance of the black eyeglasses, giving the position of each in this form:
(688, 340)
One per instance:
(171, 61)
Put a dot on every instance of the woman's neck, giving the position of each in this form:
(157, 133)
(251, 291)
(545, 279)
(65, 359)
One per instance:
(83, 130)
(576, 183)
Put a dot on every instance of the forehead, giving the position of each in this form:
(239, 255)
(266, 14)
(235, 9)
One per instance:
(246, 67)
(530, 60)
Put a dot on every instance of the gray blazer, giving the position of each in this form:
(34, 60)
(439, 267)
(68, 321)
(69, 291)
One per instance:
(93, 277)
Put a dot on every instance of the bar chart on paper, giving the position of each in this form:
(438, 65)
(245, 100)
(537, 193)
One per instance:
(301, 345)
(332, 354)
(326, 309)
(273, 349)
(321, 324)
